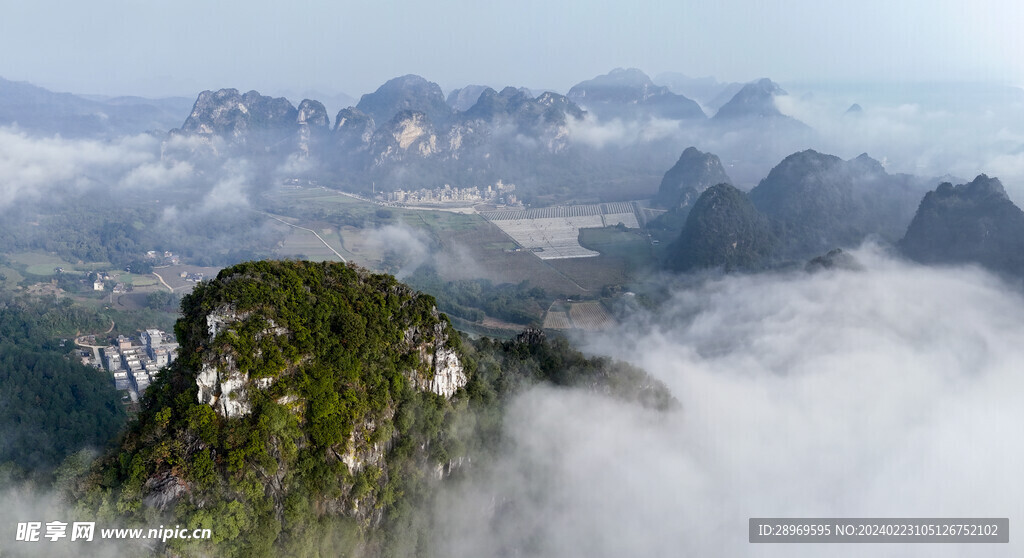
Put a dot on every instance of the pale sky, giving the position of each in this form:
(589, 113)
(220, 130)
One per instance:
(162, 47)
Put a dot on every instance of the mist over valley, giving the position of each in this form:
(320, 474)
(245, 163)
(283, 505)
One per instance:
(361, 312)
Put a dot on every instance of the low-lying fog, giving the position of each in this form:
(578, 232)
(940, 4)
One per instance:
(893, 391)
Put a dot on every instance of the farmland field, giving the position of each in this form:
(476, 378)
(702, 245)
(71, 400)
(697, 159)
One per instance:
(589, 316)
(471, 246)
(557, 320)
(301, 243)
(42, 263)
(553, 232)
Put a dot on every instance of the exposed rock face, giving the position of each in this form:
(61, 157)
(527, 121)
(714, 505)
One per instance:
(222, 384)
(447, 373)
(969, 223)
(226, 387)
(622, 93)
(541, 117)
(693, 173)
(406, 93)
(490, 104)
(313, 115)
(314, 126)
(408, 135)
(227, 114)
(819, 202)
(164, 490)
(352, 136)
(402, 135)
(723, 230)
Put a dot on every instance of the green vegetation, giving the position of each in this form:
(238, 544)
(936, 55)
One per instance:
(723, 230)
(162, 300)
(118, 231)
(50, 406)
(632, 246)
(340, 383)
(339, 451)
(472, 299)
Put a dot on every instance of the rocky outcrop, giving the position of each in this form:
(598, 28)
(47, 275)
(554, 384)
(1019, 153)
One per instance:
(544, 118)
(408, 135)
(819, 202)
(446, 372)
(724, 230)
(222, 383)
(755, 100)
(163, 490)
(228, 114)
(693, 173)
(406, 93)
(226, 386)
(314, 126)
(969, 223)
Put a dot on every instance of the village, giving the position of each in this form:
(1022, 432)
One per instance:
(133, 365)
(499, 193)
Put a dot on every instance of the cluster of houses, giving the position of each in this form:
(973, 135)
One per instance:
(192, 277)
(498, 193)
(135, 366)
(100, 279)
(163, 258)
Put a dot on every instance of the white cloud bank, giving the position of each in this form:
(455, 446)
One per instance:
(889, 392)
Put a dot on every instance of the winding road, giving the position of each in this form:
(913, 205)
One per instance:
(95, 348)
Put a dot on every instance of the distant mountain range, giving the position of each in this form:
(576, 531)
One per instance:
(35, 109)
(811, 204)
(709, 92)
(407, 134)
(631, 94)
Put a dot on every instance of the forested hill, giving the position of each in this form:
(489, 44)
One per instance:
(315, 408)
(50, 406)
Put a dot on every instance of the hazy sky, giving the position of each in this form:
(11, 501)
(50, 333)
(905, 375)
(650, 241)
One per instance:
(154, 47)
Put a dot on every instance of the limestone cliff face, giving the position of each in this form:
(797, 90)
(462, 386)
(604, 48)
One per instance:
(406, 93)
(222, 384)
(314, 126)
(226, 386)
(228, 114)
(969, 223)
(693, 173)
(447, 374)
(409, 135)
(321, 362)
(402, 135)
